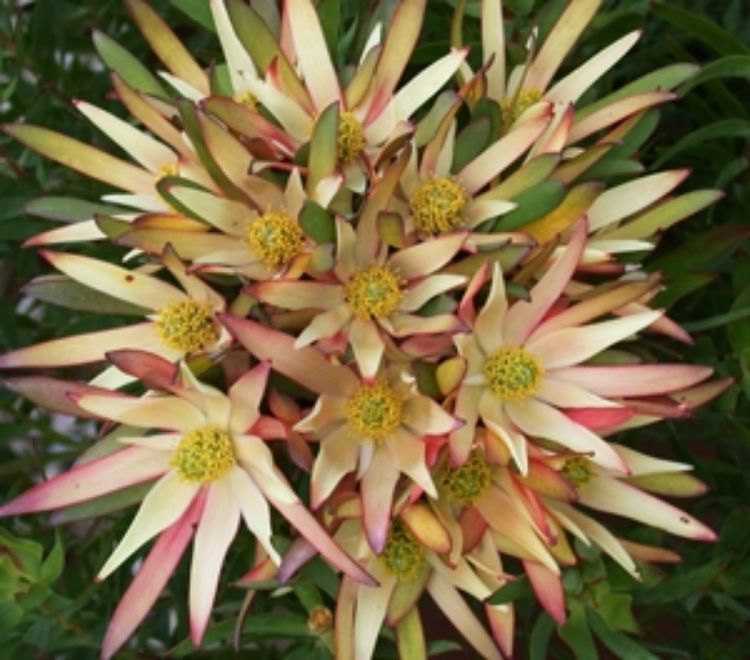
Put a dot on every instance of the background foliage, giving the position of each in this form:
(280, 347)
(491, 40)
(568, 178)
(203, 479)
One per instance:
(49, 605)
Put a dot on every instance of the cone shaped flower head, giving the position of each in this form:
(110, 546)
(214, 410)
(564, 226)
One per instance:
(377, 428)
(182, 323)
(516, 365)
(210, 470)
(412, 563)
(374, 293)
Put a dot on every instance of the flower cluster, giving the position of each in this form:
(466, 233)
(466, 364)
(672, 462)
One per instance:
(432, 268)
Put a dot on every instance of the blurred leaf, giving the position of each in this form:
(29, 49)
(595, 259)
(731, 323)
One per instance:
(701, 28)
(127, 66)
(68, 209)
(576, 634)
(198, 10)
(726, 128)
(621, 645)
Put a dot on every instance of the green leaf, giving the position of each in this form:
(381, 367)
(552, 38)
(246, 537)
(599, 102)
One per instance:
(665, 215)
(317, 223)
(576, 634)
(732, 66)
(322, 156)
(736, 314)
(470, 142)
(111, 227)
(723, 42)
(25, 555)
(664, 79)
(53, 564)
(63, 291)
(706, 251)
(610, 167)
(636, 137)
(513, 590)
(198, 10)
(68, 209)
(541, 634)
(616, 610)
(686, 284)
(329, 12)
(164, 188)
(127, 66)
(724, 128)
(528, 176)
(532, 205)
(621, 645)
(192, 126)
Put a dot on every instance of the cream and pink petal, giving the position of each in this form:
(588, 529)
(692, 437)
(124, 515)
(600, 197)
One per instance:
(169, 413)
(100, 476)
(130, 286)
(569, 346)
(371, 605)
(306, 365)
(488, 325)
(407, 452)
(634, 380)
(163, 505)
(523, 316)
(216, 529)
(336, 458)
(541, 420)
(245, 396)
(150, 579)
(494, 417)
(619, 498)
(368, 346)
(377, 485)
(81, 349)
(461, 616)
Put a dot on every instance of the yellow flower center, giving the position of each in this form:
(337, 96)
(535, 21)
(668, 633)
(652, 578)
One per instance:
(248, 99)
(275, 237)
(374, 410)
(188, 326)
(437, 204)
(402, 555)
(466, 484)
(513, 374)
(513, 107)
(204, 454)
(320, 620)
(374, 291)
(350, 140)
(577, 470)
(173, 169)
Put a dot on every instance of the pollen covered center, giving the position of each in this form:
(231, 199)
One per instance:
(467, 483)
(204, 454)
(374, 410)
(374, 291)
(513, 374)
(187, 326)
(437, 204)
(577, 470)
(275, 237)
(513, 107)
(350, 140)
(402, 555)
(248, 99)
